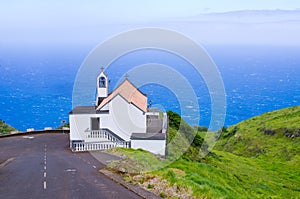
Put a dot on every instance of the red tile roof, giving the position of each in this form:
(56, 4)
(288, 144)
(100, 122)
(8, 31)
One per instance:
(130, 93)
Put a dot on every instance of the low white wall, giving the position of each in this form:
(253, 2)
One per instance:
(78, 124)
(154, 146)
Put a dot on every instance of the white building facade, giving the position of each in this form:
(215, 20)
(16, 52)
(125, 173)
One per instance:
(118, 119)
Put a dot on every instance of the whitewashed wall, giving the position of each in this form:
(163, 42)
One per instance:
(154, 146)
(78, 124)
(123, 118)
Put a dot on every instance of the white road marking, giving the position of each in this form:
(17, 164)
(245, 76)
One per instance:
(70, 170)
(28, 137)
(45, 167)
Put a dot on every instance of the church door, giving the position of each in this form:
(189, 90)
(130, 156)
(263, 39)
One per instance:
(95, 123)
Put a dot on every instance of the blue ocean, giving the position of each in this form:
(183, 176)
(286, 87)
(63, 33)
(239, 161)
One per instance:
(36, 83)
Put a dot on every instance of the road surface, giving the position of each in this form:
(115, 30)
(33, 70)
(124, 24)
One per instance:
(42, 166)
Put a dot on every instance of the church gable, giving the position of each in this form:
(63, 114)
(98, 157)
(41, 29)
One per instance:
(130, 93)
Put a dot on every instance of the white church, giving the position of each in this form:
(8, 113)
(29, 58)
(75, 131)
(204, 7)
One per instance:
(118, 119)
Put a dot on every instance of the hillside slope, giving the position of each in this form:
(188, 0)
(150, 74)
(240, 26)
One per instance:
(257, 158)
(4, 128)
(272, 135)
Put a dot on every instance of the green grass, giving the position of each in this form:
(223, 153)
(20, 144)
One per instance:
(249, 137)
(247, 162)
(136, 161)
(5, 128)
(224, 175)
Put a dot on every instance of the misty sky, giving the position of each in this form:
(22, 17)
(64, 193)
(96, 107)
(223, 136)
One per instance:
(37, 11)
(31, 21)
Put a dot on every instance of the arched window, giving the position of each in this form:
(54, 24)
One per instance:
(102, 82)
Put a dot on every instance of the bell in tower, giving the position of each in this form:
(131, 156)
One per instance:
(102, 87)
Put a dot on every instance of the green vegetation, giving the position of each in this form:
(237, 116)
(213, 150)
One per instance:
(201, 128)
(5, 128)
(67, 125)
(183, 140)
(136, 161)
(257, 158)
(271, 136)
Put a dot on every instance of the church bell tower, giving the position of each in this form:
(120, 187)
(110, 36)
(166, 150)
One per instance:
(102, 87)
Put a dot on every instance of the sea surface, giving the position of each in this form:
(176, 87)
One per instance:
(36, 83)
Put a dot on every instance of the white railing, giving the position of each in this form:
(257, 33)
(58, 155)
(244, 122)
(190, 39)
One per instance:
(102, 134)
(99, 140)
(85, 146)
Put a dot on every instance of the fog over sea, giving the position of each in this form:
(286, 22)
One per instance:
(256, 52)
(36, 84)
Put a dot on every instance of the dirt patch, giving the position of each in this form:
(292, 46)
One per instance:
(161, 187)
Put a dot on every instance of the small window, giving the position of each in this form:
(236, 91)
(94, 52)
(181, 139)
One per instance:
(102, 82)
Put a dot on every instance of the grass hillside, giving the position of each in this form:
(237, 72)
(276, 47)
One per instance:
(5, 129)
(257, 158)
(273, 135)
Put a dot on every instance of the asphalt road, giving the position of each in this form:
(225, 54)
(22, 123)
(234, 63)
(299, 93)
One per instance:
(42, 166)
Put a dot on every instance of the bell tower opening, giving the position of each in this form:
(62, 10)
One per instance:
(102, 82)
(102, 87)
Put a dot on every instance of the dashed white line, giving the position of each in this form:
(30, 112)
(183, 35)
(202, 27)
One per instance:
(45, 167)
(70, 170)
(45, 185)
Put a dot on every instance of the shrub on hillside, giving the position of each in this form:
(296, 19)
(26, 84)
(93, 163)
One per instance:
(4, 128)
